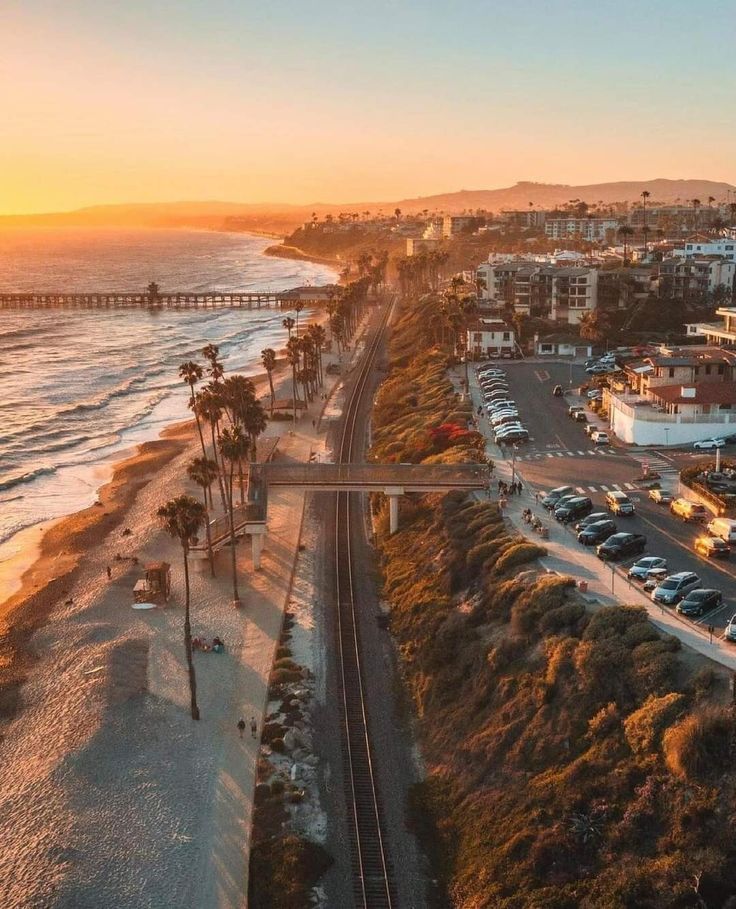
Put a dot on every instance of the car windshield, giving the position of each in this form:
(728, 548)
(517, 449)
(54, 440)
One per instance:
(669, 584)
(619, 538)
(646, 563)
(599, 525)
(698, 595)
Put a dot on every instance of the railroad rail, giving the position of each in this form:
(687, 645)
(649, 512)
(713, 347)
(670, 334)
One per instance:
(372, 885)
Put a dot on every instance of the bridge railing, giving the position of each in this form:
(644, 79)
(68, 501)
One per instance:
(373, 474)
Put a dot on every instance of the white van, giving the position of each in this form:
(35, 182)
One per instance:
(725, 528)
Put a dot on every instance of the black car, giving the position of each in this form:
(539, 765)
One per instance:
(574, 509)
(621, 545)
(557, 391)
(699, 601)
(597, 533)
(591, 519)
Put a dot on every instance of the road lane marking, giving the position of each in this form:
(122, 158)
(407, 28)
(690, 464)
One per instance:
(581, 452)
(550, 454)
(629, 486)
(605, 488)
(581, 490)
(593, 489)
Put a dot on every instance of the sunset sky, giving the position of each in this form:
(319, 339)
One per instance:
(336, 100)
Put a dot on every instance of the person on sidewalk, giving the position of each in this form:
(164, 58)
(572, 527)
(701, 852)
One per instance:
(241, 726)
(253, 727)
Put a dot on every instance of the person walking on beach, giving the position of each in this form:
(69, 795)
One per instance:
(241, 726)
(109, 572)
(253, 726)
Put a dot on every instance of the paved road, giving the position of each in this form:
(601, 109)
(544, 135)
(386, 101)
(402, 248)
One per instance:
(560, 453)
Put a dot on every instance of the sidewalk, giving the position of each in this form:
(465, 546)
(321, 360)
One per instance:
(608, 584)
(223, 881)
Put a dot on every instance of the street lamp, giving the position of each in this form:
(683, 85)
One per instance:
(514, 448)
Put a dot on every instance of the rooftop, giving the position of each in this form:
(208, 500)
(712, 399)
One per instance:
(705, 393)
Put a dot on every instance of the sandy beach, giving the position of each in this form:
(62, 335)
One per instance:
(111, 795)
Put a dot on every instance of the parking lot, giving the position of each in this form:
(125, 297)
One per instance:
(560, 453)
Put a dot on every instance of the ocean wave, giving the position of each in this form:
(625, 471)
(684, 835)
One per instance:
(27, 477)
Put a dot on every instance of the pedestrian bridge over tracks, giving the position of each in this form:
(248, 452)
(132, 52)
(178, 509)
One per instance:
(394, 480)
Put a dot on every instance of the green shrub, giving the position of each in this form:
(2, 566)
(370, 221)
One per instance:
(284, 676)
(565, 616)
(277, 744)
(519, 555)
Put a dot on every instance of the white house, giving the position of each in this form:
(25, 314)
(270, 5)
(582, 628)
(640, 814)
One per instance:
(706, 246)
(552, 346)
(490, 338)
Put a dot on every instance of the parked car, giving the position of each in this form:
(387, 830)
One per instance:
(597, 533)
(557, 391)
(676, 587)
(619, 503)
(708, 444)
(660, 496)
(574, 509)
(554, 496)
(730, 631)
(689, 511)
(621, 545)
(712, 547)
(573, 409)
(700, 601)
(518, 434)
(594, 393)
(655, 578)
(640, 570)
(600, 438)
(591, 519)
(580, 417)
(597, 370)
(725, 528)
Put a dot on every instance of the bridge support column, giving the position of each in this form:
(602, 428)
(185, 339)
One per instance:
(256, 543)
(393, 493)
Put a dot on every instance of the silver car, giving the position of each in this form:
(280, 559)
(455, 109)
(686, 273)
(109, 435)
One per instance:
(639, 571)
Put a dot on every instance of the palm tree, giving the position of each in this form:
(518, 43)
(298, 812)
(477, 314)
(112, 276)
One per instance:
(288, 324)
(191, 373)
(234, 446)
(204, 472)
(268, 358)
(182, 517)
(208, 406)
(211, 353)
(254, 423)
(696, 203)
(298, 307)
(626, 231)
(645, 229)
(293, 359)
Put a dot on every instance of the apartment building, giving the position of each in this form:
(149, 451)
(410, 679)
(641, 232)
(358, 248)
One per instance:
(690, 277)
(723, 333)
(707, 246)
(583, 228)
(452, 225)
(555, 292)
(524, 218)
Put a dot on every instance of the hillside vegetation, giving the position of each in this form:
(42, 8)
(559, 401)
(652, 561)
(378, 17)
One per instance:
(573, 759)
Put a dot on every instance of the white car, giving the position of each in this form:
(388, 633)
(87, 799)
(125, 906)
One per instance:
(640, 570)
(730, 632)
(600, 438)
(595, 393)
(709, 444)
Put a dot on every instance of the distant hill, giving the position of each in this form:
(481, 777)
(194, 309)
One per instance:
(550, 194)
(282, 218)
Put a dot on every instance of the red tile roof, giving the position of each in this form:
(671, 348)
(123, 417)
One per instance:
(705, 393)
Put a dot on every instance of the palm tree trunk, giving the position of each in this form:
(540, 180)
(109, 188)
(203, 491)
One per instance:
(210, 553)
(236, 595)
(188, 642)
(199, 425)
(220, 466)
(270, 383)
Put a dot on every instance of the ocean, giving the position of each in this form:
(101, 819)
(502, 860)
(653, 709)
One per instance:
(80, 387)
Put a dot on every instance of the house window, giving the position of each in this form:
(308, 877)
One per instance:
(507, 336)
(477, 336)
(707, 370)
(720, 369)
(672, 372)
(546, 348)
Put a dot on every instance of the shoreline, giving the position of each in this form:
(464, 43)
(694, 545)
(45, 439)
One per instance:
(63, 543)
(281, 251)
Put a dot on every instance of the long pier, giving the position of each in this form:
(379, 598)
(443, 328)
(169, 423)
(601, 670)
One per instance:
(286, 299)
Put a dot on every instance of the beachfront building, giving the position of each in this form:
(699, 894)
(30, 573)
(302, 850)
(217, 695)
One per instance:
(525, 218)
(490, 338)
(556, 292)
(675, 397)
(723, 333)
(695, 276)
(598, 229)
(725, 247)
(452, 225)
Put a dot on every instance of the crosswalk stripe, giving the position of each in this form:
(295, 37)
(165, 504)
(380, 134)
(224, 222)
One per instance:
(605, 489)
(629, 486)
(616, 487)
(550, 455)
(592, 488)
(581, 452)
(560, 454)
(592, 451)
(580, 489)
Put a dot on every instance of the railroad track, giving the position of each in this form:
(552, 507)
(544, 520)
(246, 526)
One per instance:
(371, 870)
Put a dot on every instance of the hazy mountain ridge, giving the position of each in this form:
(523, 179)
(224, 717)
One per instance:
(281, 217)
